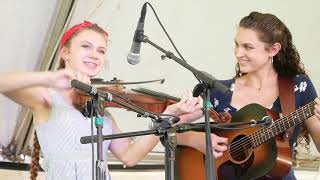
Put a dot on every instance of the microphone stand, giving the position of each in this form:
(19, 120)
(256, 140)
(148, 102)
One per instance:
(208, 82)
(101, 165)
(169, 141)
(91, 110)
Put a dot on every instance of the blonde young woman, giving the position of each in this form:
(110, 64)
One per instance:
(59, 124)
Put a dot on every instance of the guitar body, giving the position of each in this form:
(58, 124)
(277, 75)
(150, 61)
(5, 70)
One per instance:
(269, 160)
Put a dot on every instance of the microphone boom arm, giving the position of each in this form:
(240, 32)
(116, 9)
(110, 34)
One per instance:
(203, 76)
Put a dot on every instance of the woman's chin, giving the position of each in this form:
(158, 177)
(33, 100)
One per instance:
(91, 72)
(245, 69)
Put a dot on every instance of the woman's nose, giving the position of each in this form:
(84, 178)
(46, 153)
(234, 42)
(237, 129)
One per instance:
(94, 54)
(238, 52)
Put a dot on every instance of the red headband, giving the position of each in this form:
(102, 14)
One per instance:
(74, 29)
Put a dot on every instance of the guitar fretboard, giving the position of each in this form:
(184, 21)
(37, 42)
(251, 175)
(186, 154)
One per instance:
(281, 125)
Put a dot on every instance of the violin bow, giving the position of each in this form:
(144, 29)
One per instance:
(99, 81)
(155, 94)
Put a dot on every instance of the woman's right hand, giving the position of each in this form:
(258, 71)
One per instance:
(61, 79)
(219, 144)
(197, 141)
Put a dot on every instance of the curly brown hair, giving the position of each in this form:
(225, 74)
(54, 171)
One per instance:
(272, 30)
(287, 62)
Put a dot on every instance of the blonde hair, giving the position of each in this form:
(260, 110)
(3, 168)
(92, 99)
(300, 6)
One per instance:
(35, 166)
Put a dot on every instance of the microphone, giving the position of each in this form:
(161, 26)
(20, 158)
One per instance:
(133, 57)
(91, 90)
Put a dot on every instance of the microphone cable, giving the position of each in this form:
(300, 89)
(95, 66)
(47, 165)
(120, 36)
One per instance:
(168, 36)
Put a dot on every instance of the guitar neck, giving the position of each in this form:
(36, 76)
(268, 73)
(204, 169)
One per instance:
(281, 125)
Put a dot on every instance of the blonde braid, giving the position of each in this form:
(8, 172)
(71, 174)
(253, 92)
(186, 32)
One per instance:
(35, 166)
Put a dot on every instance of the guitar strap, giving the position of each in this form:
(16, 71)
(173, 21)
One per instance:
(287, 100)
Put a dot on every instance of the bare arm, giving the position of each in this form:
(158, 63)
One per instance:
(20, 80)
(30, 88)
(131, 154)
(187, 118)
(313, 125)
(26, 88)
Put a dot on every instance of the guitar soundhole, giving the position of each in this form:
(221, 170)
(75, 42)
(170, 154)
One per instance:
(240, 148)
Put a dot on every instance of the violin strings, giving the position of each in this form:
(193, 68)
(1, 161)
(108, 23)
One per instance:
(140, 108)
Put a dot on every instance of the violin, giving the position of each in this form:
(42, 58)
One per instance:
(148, 100)
(121, 94)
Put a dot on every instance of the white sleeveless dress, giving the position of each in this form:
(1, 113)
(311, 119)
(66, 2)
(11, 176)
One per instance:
(65, 158)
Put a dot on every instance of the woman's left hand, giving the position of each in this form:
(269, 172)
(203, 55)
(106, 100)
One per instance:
(187, 104)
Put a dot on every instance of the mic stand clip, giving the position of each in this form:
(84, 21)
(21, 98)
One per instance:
(169, 141)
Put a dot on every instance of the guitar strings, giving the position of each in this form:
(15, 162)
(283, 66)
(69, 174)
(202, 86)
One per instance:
(247, 141)
(235, 149)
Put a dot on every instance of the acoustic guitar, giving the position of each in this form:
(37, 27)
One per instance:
(253, 153)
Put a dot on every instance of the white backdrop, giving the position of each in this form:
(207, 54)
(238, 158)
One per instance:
(203, 31)
(23, 31)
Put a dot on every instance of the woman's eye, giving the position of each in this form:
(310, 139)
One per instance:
(85, 46)
(248, 47)
(102, 52)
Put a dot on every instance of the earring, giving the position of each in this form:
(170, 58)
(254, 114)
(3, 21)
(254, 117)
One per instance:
(271, 62)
